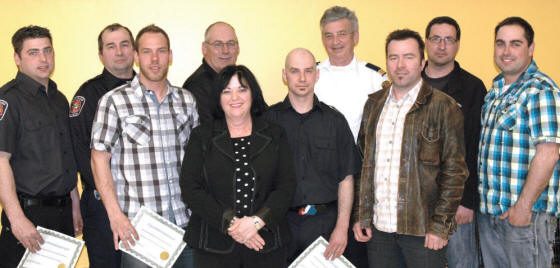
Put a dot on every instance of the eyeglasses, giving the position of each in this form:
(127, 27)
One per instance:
(219, 44)
(448, 40)
(340, 35)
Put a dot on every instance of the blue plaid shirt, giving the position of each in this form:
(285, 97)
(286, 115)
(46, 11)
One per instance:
(514, 120)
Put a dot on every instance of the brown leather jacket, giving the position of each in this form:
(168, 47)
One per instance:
(432, 167)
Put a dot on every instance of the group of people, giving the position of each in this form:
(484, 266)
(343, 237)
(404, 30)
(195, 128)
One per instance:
(419, 167)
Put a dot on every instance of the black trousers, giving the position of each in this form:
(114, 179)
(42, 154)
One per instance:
(241, 257)
(97, 233)
(54, 218)
(306, 229)
(388, 250)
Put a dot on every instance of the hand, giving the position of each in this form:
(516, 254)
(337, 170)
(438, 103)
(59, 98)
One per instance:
(359, 232)
(337, 243)
(77, 219)
(122, 229)
(26, 233)
(255, 243)
(518, 216)
(434, 242)
(464, 215)
(242, 229)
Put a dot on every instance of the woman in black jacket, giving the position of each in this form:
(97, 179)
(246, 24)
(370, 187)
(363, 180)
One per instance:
(238, 180)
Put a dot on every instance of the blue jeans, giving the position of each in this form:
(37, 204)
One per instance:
(462, 251)
(504, 245)
(185, 260)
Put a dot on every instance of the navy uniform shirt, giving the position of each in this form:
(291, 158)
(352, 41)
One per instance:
(323, 148)
(201, 85)
(34, 129)
(82, 112)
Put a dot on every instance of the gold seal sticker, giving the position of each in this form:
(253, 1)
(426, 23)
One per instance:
(61, 265)
(164, 255)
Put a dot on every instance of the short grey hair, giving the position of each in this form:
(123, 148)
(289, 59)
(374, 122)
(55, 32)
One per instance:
(337, 13)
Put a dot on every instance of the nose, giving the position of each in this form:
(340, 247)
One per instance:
(119, 50)
(225, 49)
(442, 44)
(234, 95)
(155, 57)
(43, 56)
(302, 77)
(400, 63)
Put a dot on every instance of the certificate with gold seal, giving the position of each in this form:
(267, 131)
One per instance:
(159, 242)
(312, 257)
(57, 251)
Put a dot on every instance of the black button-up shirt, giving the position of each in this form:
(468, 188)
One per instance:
(323, 148)
(201, 84)
(35, 131)
(82, 112)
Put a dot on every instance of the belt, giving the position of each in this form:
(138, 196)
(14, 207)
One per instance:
(309, 210)
(59, 201)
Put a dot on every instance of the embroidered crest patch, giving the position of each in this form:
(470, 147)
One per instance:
(77, 105)
(3, 108)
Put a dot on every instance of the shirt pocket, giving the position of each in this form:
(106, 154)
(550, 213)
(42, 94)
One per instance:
(430, 145)
(184, 126)
(137, 129)
(508, 118)
(323, 153)
(41, 133)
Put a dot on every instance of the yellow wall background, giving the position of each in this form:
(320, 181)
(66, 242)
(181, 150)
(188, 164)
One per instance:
(267, 30)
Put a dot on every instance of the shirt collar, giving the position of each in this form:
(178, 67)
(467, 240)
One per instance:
(412, 94)
(110, 81)
(208, 69)
(286, 104)
(499, 81)
(140, 90)
(33, 87)
(351, 66)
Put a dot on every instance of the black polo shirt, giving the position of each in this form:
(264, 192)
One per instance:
(323, 147)
(201, 85)
(34, 129)
(82, 112)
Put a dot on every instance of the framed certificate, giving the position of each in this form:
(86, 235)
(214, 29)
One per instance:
(159, 242)
(312, 257)
(58, 251)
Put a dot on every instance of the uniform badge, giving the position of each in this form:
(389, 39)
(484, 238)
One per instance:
(3, 108)
(77, 105)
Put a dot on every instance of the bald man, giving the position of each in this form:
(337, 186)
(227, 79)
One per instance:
(326, 158)
(219, 49)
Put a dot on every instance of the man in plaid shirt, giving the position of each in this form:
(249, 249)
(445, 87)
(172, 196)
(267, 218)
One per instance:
(518, 159)
(138, 139)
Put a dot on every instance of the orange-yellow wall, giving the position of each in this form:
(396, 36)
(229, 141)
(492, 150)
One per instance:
(267, 30)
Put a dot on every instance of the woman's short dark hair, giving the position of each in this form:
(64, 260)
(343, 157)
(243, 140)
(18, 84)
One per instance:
(246, 79)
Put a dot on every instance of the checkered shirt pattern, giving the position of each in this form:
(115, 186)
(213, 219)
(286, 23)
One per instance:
(515, 119)
(389, 134)
(146, 140)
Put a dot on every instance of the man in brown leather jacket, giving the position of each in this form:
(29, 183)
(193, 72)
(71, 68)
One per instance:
(414, 166)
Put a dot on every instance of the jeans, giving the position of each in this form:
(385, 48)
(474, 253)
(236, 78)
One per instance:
(504, 245)
(392, 250)
(185, 260)
(462, 251)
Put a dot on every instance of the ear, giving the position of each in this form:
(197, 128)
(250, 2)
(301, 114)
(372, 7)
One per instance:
(284, 78)
(136, 58)
(532, 49)
(356, 38)
(317, 76)
(17, 59)
(203, 48)
(170, 56)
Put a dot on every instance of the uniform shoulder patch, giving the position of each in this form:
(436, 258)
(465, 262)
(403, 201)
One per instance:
(3, 109)
(376, 68)
(77, 105)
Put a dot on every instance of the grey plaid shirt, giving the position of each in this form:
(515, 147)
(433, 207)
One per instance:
(146, 140)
